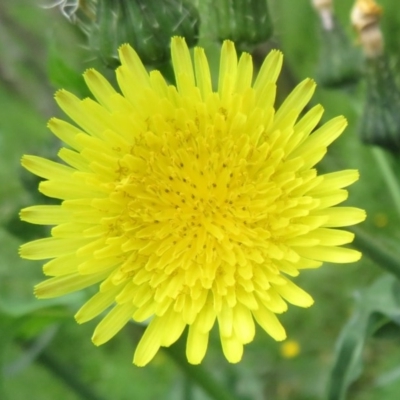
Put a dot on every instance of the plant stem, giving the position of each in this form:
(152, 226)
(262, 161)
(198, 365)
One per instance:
(372, 248)
(187, 389)
(198, 373)
(65, 374)
(195, 373)
(7, 332)
(381, 158)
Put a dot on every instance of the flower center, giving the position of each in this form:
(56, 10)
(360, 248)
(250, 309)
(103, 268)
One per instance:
(195, 182)
(199, 202)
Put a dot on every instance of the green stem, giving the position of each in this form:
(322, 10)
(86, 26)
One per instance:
(373, 249)
(187, 389)
(381, 158)
(9, 327)
(197, 373)
(64, 373)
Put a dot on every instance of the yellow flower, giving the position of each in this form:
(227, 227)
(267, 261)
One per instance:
(187, 205)
(290, 349)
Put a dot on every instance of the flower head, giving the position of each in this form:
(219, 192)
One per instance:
(189, 206)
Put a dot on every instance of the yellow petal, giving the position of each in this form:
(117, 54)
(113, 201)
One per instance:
(341, 216)
(173, 327)
(100, 87)
(203, 76)
(330, 237)
(45, 215)
(132, 61)
(64, 265)
(46, 168)
(65, 132)
(270, 323)
(159, 84)
(269, 70)
(335, 180)
(65, 190)
(295, 102)
(304, 127)
(71, 230)
(225, 321)
(94, 265)
(78, 112)
(293, 294)
(274, 302)
(323, 136)
(74, 159)
(244, 73)
(332, 199)
(96, 305)
(227, 69)
(62, 285)
(332, 254)
(50, 247)
(196, 345)
(112, 323)
(243, 324)
(149, 343)
(182, 64)
(145, 311)
(232, 348)
(206, 317)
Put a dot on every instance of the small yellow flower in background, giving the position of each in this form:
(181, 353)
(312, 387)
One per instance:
(380, 220)
(290, 349)
(189, 206)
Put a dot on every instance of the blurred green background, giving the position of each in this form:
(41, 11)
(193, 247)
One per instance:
(45, 355)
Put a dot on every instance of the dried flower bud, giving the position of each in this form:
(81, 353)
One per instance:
(325, 11)
(365, 13)
(365, 17)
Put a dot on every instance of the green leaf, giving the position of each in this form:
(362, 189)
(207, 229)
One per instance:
(61, 74)
(376, 307)
(17, 279)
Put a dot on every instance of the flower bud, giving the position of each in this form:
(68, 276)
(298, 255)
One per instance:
(339, 62)
(246, 22)
(147, 25)
(380, 124)
(79, 12)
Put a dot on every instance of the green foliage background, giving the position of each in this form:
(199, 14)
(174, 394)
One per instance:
(45, 355)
